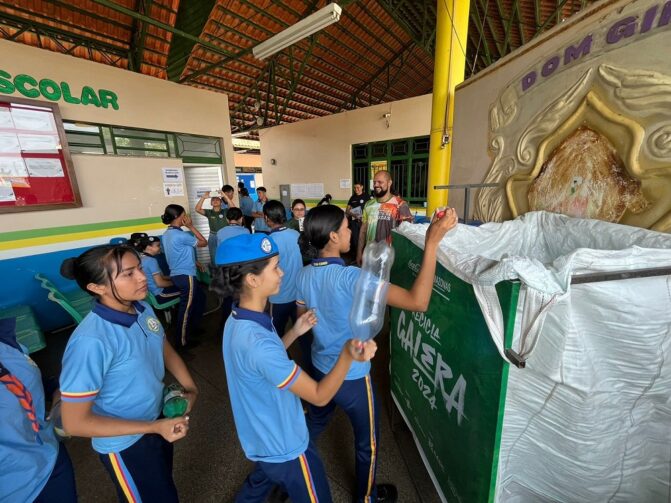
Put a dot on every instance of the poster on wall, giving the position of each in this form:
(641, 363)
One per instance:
(173, 189)
(35, 166)
(172, 175)
(307, 190)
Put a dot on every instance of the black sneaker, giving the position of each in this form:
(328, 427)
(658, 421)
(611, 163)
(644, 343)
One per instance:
(386, 493)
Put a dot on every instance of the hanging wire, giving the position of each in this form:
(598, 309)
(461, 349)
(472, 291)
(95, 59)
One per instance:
(477, 49)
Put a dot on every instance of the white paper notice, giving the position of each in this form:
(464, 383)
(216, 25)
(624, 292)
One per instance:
(9, 143)
(173, 189)
(6, 119)
(34, 120)
(345, 183)
(307, 190)
(39, 143)
(12, 166)
(172, 175)
(46, 168)
(6, 193)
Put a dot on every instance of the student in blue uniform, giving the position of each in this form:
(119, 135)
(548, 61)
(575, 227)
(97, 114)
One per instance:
(180, 251)
(283, 304)
(264, 384)
(327, 286)
(112, 377)
(247, 207)
(160, 286)
(260, 224)
(34, 465)
(234, 227)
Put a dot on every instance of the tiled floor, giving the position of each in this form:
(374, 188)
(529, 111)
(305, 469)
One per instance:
(209, 463)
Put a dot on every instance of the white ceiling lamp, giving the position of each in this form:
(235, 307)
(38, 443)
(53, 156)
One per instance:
(305, 27)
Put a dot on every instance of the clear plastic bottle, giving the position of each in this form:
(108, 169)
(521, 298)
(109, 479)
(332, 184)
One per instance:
(370, 292)
(57, 420)
(253, 228)
(174, 403)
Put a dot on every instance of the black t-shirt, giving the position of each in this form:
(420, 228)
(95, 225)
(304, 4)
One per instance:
(358, 201)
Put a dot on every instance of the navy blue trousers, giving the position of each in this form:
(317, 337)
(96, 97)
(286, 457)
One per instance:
(191, 306)
(167, 294)
(143, 472)
(359, 401)
(281, 314)
(60, 488)
(303, 478)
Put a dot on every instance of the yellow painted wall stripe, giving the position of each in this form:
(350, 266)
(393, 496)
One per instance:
(77, 236)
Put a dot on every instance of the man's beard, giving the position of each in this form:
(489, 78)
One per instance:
(379, 192)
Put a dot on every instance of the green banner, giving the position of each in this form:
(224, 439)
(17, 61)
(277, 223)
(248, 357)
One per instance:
(448, 378)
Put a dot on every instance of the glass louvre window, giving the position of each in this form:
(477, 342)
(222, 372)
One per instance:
(84, 138)
(399, 148)
(139, 142)
(360, 151)
(198, 148)
(379, 150)
(116, 140)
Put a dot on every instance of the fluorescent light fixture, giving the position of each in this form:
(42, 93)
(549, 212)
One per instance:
(303, 28)
(246, 144)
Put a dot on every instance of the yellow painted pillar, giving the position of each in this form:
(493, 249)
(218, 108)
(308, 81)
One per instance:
(449, 68)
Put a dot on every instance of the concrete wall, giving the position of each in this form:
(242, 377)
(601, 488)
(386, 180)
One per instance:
(120, 194)
(319, 150)
(501, 123)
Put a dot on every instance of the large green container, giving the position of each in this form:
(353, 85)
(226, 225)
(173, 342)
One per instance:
(448, 379)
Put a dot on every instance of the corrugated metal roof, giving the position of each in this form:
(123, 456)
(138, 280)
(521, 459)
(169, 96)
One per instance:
(379, 51)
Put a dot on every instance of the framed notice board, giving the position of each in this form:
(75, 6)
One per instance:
(36, 170)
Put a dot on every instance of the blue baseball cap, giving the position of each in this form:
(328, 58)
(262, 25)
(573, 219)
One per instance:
(245, 248)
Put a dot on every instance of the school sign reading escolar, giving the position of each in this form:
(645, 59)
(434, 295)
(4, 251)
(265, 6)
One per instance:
(30, 87)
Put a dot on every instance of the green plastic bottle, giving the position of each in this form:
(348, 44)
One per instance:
(174, 403)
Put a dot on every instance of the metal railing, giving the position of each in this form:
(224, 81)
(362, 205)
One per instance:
(467, 192)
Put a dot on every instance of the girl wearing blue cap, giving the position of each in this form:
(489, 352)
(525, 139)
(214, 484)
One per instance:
(112, 377)
(34, 465)
(264, 385)
(327, 286)
(180, 252)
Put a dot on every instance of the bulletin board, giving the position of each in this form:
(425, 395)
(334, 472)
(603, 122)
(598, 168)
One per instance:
(36, 170)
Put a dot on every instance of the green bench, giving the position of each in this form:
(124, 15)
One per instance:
(28, 332)
(76, 303)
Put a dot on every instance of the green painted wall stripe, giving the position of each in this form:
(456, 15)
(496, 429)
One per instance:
(71, 229)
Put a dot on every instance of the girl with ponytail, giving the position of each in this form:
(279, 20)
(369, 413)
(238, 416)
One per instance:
(112, 377)
(180, 252)
(327, 286)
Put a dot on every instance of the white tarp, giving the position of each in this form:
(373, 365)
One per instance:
(589, 418)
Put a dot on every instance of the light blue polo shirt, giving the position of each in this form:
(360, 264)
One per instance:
(291, 263)
(180, 251)
(230, 231)
(115, 360)
(247, 206)
(268, 416)
(25, 465)
(260, 223)
(327, 286)
(150, 267)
